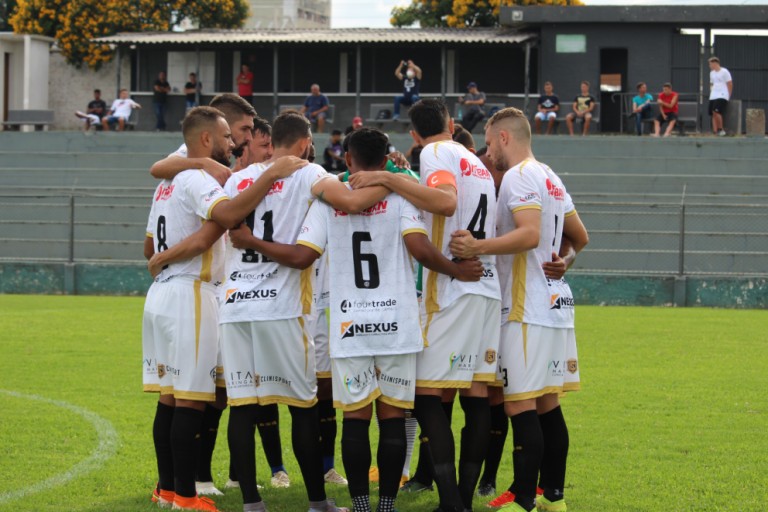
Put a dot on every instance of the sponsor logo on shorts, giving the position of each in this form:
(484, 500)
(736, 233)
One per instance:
(557, 301)
(240, 378)
(462, 361)
(359, 305)
(244, 184)
(555, 368)
(392, 380)
(470, 169)
(170, 370)
(490, 356)
(572, 365)
(273, 379)
(252, 276)
(357, 382)
(232, 295)
(351, 329)
(161, 370)
(212, 373)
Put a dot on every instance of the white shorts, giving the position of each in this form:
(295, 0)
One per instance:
(180, 339)
(544, 116)
(317, 327)
(358, 381)
(536, 360)
(462, 343)
(269, 362)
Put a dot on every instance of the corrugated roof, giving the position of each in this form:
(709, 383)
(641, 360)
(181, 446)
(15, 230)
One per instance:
(354, 35)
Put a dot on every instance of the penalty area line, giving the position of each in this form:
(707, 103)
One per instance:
(106, 448)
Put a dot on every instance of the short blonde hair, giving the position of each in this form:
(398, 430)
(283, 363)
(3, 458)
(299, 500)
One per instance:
(516, 121)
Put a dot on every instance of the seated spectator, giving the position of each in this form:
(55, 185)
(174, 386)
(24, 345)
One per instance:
(641, 106)
(582, 107)
(316, 107)
(191, 91)
(119, 112)
(95, 111)
(357, 123)
(411, 82)
(668, 108)
(474, 99)
(548, 107)
(333, 157)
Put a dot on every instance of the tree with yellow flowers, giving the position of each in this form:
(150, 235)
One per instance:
(460, 13)
(75, 23)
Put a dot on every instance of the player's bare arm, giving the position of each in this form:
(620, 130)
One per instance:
(339, 196)
(293, 256)
(194, 245)
(523, 238)
(426, 253)
(441, 200)
(149, 247)
(170, 166)
(229, 214)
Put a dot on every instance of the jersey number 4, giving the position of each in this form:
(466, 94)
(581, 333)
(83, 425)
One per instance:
(249, 255)
(477, 224)
(359, 257)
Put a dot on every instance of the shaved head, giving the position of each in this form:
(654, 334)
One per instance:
(514, 122)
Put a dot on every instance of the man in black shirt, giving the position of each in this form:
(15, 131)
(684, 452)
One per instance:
(162, 88)
(191, 90)
(411, 80)
(549, 105)
(583, 105)
(95, 111)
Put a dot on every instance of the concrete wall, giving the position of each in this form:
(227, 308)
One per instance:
(27, 74)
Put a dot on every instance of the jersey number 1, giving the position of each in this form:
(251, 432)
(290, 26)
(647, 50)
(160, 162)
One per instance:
(249, 255)
(358, 237)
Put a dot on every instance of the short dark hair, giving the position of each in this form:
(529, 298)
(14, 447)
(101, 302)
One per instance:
(585, 83)
(667, 84)
(97, 91)
(464, 138)
(261, 125)
(714, 59)
(197, 119)
(429, 117)
(480, 152)
(288, 128)
(368, 147)
(232, 106)
(336, 132)
(639, 85)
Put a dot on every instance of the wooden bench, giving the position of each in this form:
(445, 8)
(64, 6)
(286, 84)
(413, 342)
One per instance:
(37, 118)
(489, 108)
(687, 114)
(565, 109)
(378, 111)
(328, 113)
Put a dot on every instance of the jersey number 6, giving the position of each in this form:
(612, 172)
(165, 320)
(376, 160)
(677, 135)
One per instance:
(358, 237)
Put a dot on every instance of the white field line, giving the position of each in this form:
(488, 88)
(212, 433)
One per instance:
(106, 448)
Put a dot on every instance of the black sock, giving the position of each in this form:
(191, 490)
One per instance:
(268, 423)
(423, 473)
(207, 442)
(161, 433)
(242, 449)
(448, 410)
(553, 463)
(391, 455)
(526, 458)
(499, 428)
(328, 430)
(474, 444)
(305, 437)
(437, 431)
(185, 430)
(356, 455)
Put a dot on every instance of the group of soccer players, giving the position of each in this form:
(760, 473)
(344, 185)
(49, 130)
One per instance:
(310, 300)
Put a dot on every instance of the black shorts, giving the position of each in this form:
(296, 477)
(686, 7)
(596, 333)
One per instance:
(671, 116)
(719, 105)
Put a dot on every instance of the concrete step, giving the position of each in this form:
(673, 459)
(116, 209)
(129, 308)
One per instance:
(665, 184)
(83, 231)
(59, 249)
(78, 142)
(565, 165)
(670, 240)
(79, 160)
(75, 178)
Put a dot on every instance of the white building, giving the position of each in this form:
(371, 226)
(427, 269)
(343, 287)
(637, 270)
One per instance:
(23, 72)
(289, 14)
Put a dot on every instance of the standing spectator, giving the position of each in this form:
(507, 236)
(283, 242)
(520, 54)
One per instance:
(316, 107)
(160, 100)
(245, 83)
(475, 100)
(549, 105)
(119, 112)
(641, 106)
(191, 90)
(721, 88)
(357, 123)
(411, 83)
(333, 157)
(95, 111)
(668, 108)
(583, 105)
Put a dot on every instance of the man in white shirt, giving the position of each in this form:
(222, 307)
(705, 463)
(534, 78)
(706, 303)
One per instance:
(721, 88)
(119, 112)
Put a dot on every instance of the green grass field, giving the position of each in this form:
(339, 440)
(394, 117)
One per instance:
(673, 414)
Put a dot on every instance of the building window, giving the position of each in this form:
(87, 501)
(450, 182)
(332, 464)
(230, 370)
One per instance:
(571, 43)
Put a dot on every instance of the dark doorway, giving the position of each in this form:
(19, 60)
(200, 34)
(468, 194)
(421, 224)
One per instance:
(613, 79)
(6, 84)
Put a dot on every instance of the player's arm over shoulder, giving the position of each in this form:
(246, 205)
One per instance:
(338, 195)
(194, 245)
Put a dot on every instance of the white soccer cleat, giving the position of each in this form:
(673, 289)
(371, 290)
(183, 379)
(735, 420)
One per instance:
(281, 480)
(333, 477)
(207, 489)
(232, 484)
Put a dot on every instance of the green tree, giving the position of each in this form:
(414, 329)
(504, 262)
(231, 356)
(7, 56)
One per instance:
(75, 23)
(460, 13)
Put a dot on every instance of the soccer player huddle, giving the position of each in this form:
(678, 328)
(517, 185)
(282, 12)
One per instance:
(311, 299)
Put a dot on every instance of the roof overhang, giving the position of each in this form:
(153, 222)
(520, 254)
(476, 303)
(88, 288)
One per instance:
(332, 36)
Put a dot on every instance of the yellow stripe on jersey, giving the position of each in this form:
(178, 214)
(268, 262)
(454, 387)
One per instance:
(150, 235)
(430, 301)
(208, 213)
(519, 268)
(205, 270)
(414, 230)
(526, 207)
(312, 246)
(306, 290)
(198, 316)
(568, 214)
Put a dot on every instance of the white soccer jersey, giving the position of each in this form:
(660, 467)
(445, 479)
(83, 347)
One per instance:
(719, 80)
(321, 286)
(373, 303)
(526, 294)
(179, 208)
(475, 211)
(182, 151)
(258, 288)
